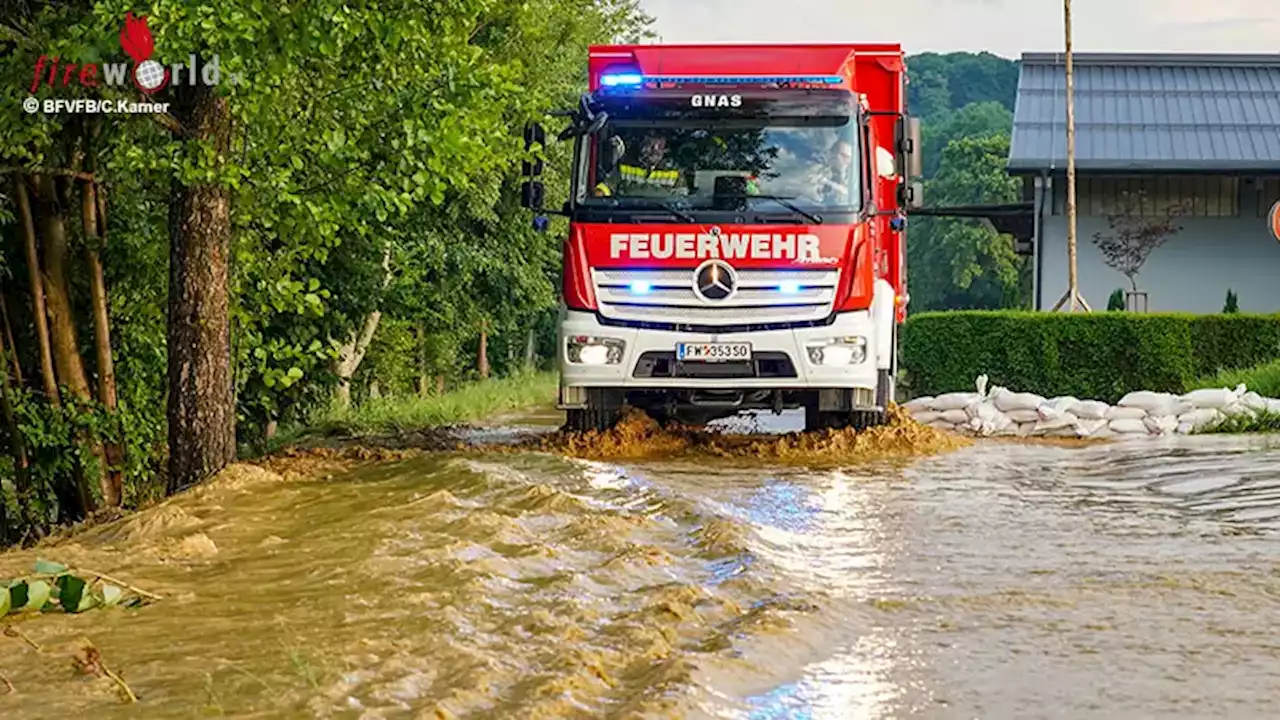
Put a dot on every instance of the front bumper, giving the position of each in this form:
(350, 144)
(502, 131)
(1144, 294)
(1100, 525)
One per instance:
(792, 344)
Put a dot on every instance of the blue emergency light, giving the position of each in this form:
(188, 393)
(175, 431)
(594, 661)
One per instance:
(789, 287)
(637, 79)
(640, 287)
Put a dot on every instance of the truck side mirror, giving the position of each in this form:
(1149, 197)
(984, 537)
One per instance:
(531, 195)
(914, 148)
(915, 194)
(534, 134)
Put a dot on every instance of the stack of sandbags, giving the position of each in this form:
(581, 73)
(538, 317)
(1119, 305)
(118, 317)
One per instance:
(1138, 414)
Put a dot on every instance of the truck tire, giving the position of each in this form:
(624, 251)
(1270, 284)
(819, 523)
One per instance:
(601, 413)
(858, 420)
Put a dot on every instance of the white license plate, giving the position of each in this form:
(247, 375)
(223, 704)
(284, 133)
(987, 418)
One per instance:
(713, 352)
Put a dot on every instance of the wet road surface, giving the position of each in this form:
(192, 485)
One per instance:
(1002, 580)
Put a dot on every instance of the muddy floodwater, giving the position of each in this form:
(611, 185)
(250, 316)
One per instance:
(1000, 580)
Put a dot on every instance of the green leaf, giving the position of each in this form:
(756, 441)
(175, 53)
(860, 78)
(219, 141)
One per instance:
(17, 595)
(48, 567)
(4, 601)
(111, 595)
(70, 592)
(36, 595)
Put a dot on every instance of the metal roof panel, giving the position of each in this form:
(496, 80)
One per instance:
(1150, 112)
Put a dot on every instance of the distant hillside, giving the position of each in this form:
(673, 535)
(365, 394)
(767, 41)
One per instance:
(958, 95)
(942, 82)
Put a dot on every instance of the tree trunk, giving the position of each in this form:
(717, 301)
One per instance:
(18, 450)
(424, 383)
(352, 354)
(530, 349)
(8, 339)
(273, 427)
(482, 363)
(113, 487)
(62, 327)
(202, 419)
(439, 384)
(38, 311)
(375, 391)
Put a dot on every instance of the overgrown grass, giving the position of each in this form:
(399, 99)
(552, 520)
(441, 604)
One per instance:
(1265, 422)
(1263, 379)
(466, 404)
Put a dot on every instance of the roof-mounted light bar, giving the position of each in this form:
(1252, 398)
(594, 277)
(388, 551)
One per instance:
(631, 79)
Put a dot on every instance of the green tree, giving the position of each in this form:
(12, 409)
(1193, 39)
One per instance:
(961, 263)
(976, 120)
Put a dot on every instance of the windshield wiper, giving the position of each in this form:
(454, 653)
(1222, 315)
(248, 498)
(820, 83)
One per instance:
(785, 202)
(668, 205)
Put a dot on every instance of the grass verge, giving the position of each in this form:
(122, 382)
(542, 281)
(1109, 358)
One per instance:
(405, 414)
(1263, 379)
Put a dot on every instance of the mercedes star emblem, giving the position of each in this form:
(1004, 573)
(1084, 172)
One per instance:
(714, 280)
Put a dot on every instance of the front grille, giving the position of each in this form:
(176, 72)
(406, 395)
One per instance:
(763, 297)
(662, 364)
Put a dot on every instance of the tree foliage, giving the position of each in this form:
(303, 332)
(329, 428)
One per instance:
(965, 101)
(371, 171)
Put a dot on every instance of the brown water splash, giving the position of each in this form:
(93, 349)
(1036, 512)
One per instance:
(639, 437)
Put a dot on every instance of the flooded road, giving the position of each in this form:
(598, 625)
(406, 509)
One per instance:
(1000, 580)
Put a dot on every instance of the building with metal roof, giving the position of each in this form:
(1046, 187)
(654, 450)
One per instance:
(1190, 141)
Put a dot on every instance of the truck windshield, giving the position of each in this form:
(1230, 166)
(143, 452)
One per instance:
(761, 155)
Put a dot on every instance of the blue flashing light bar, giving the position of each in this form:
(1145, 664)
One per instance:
(789, 287)
(640, 287)
(636, 79)
(622, 79)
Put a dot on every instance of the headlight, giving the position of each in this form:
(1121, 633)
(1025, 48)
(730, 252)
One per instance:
(588, 350)
(838, 351)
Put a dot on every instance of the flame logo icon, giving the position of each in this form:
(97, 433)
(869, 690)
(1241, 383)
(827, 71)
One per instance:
(135, 37)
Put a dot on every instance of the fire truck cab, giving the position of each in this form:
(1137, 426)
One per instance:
(737, 225)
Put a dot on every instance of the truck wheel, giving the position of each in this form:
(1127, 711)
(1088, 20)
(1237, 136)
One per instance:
(600, 414)
(859, 420)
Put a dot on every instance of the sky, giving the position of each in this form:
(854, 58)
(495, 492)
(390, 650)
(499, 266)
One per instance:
(1003, 27)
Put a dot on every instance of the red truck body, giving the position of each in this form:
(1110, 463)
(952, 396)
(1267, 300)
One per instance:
(808, 299)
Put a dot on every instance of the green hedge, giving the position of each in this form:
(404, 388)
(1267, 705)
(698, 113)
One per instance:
(1089, 355)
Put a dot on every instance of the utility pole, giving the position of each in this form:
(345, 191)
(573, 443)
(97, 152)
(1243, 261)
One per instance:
(1073, 284)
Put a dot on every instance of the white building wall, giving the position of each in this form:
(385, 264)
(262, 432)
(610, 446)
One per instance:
(1190, 272)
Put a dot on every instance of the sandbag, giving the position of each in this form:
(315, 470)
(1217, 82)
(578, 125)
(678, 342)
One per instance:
(926, 417)
(1115, 412)
(943, 425)
(920, 404)
(1090, 427)
(1025, 429)
(1055, 408)
(1185, 428)
(1090, 410)
(1211, 398)
(1273, 406)
(1103, 433)
(1161, 424)
(955, 417)
(979, 408)
(1237, 409)
(1023, 416)
(1128, 426)
(954, 401)
(1254, 401)
(1007, 402)
(1200, 419)
(981, 384)
(1065, 420)
(1146, 399)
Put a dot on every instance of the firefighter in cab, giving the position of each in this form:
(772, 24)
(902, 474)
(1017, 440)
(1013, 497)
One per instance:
(652, 173)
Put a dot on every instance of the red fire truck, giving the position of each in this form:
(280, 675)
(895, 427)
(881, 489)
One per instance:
(737, 225)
